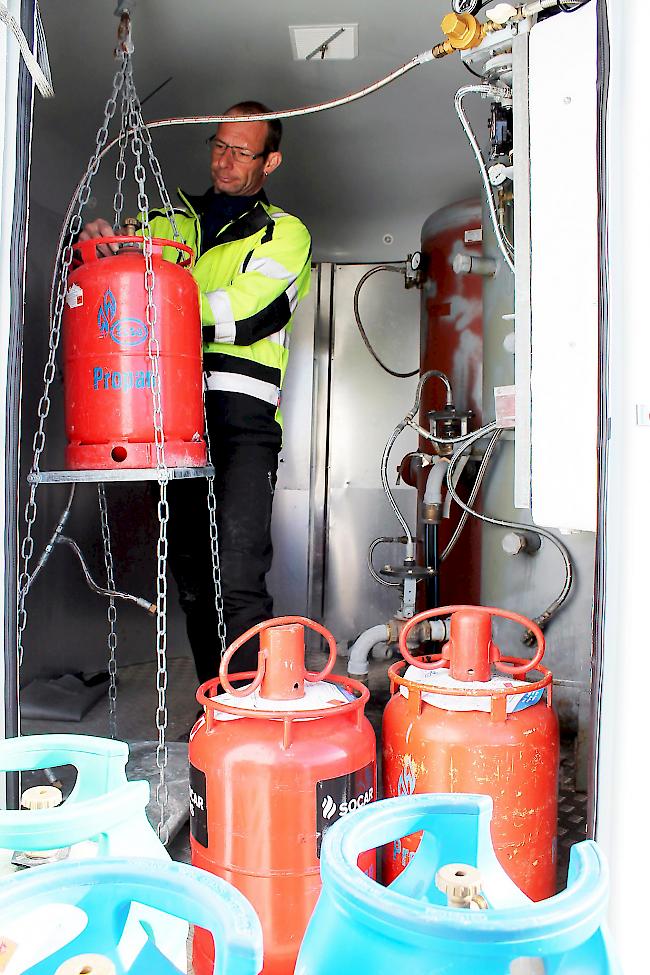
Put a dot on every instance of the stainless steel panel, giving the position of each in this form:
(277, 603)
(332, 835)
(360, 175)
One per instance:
(366, 404)
(287, 579)
(320, 433)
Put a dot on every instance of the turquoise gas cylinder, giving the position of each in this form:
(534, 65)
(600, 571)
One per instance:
(105, 815)
(102, 893)
(411, 926)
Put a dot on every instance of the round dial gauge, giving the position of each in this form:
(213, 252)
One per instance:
(465, 6)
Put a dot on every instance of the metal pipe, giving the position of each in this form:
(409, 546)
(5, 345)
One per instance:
(432, 561)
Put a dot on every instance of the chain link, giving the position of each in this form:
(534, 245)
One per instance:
(27, 546)
(162, 790)
(120, 166)
(112, 613)
(154, 165)
(214, 537)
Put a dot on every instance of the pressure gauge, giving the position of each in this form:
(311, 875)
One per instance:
(465, 6)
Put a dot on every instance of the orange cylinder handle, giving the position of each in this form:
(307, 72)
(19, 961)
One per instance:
(261, 657)
(88, 248)
(514, 670)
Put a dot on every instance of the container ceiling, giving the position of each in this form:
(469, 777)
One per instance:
(356, 175)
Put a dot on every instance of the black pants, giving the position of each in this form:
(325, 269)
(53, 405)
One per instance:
(244, 485)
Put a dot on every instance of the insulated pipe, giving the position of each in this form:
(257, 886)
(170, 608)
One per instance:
(435, 480)
(362, 647)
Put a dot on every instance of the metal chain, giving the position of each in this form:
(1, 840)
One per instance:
(162, 791)
(120, 166)
(27, 546)
(112, 613)
(214, 538)
(154, 165)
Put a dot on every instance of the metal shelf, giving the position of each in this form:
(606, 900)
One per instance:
(117, 474)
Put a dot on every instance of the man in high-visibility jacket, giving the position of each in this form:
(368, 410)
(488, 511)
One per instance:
(252, 267)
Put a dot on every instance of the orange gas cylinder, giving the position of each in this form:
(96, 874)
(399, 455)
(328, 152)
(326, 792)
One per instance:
(272, 766)
(454, 725)
(108, 366)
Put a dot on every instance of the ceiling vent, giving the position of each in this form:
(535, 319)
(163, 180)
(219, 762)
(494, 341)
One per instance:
(324, 42)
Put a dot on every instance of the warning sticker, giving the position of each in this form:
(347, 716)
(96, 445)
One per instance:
(198, 806)
(341, 795)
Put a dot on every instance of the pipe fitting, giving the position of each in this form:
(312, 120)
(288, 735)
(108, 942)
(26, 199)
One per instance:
(362, 648)
(469, 264)
(431, 514)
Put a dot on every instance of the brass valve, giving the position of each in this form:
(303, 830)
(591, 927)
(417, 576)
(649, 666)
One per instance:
(463, 32)
(131, 226)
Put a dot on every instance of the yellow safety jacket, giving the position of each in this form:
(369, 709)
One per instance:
(251, 281)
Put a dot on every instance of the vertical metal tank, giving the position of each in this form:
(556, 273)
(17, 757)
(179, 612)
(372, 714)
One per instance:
(451, 340)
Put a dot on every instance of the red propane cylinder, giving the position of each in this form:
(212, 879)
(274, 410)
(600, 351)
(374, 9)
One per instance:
(272, 766)
(452, 725)
(108, 366)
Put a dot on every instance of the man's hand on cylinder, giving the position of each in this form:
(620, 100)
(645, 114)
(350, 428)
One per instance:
(100, 228)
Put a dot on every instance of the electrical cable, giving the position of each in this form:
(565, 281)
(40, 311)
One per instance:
(458, 102)
(544, 618)
(357, 318)
(471, 70)
(472, 498)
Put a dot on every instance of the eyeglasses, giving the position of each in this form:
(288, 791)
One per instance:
(239, 153)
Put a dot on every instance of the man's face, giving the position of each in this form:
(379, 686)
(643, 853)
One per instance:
(237, 177)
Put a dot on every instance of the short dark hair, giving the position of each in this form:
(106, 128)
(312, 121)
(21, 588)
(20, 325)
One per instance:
(273, 125)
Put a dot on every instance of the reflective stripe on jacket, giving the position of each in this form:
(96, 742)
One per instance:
(251, 281)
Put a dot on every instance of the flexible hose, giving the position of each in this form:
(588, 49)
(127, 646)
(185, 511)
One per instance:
(382, 540)
(110, 593)
(458, 101)
(415, 62)
(472, 498)
(543, 619)
(408, 420)
(357, 318)
(53, 539)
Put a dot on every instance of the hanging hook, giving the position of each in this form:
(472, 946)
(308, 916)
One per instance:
(124, 42)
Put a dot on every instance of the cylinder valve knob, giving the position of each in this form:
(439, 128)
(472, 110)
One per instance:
(461, 883)
(41, 797)
(87, 965)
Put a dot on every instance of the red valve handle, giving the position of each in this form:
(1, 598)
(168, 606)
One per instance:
(514, 670)
(88, 248)
(269, 624)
